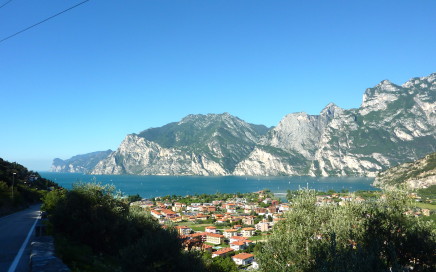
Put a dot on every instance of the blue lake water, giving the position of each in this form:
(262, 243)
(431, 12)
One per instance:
(152, 186)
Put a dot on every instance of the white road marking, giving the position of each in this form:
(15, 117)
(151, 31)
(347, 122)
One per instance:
(21, 251)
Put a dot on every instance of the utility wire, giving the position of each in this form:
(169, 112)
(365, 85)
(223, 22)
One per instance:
(5, 3)
(43, 21)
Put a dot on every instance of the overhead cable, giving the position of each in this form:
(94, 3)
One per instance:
(5, 3)
(43, 21)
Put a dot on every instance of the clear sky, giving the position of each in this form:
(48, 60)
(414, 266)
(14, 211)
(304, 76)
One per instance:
(82, 81)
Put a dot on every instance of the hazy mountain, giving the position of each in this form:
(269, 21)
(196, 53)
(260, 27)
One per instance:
(80, 163)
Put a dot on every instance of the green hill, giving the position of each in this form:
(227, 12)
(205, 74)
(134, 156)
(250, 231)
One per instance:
(20, 187)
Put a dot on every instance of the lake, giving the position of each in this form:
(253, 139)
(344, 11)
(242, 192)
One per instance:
(152, 186)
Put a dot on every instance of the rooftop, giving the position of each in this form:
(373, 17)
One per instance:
(243, 256)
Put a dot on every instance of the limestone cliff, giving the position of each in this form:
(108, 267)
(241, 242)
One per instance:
(394, 124)
(197, 145)
(416, 175)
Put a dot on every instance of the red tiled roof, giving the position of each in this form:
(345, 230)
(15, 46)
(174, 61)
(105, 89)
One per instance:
(240, 238)
(243, 256)
(182, 227)
(223, 251)
(238, 243)
(230, 230)
(196, 234)
(214, 235)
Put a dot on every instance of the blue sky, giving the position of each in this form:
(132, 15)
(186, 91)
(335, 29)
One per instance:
(84, 80)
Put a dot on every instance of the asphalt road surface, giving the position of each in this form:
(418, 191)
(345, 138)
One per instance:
(14, 229)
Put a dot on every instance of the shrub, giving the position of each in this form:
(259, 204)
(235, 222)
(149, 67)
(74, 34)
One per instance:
(374, 236)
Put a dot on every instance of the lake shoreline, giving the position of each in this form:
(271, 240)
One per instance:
(152, 186)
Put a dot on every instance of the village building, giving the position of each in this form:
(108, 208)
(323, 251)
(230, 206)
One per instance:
(206, 247)
(261, 211)
(183, 230)
(248, 232)
(283, 207)
(231, 208)
(214, 238)
(156, 214)
(243, 258)
(210, 229)
(222, 252)
(248, 220)
(230, 232)
(168, 213)
(238, 245)
(263, 226)
(178, 207)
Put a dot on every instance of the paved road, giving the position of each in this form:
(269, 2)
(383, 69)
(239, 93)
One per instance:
(14, 229)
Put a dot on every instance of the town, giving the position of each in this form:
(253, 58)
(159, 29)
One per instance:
(235, 225)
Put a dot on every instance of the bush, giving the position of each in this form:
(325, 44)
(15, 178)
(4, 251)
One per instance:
(93, 217)
(375, 236)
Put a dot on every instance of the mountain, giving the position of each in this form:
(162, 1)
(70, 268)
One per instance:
(80, 163)
(197, 145)
(394, 124)
(416, 175)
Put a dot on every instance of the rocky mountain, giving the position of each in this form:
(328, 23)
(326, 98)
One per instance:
(394, 124)
(416, 175)
(197, 145)
(79, 164)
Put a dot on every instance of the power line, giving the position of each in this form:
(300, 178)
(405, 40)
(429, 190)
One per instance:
(5, 3)
(43, 21)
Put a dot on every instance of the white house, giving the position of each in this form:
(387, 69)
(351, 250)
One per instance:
(243, 258)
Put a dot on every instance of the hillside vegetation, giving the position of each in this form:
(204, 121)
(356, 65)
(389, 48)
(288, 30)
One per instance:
(20, 187)
(375, 235)
(417, 174)
(96, 230)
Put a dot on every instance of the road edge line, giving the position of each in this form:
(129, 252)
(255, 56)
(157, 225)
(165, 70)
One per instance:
(23, 246)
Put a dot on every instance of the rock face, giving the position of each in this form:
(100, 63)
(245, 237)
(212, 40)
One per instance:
(197, 145)
(80, 163)
(416, 175)
(394, 124)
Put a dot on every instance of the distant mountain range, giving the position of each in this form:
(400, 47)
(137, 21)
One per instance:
(393, 125)
(80, 163)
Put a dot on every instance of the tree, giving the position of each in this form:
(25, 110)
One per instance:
(92, 217)
(134, 198)
(374, 236)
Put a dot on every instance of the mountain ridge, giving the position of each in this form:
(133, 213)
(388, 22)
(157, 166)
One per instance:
(394, 124)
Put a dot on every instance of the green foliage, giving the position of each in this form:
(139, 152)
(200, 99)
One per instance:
(204, 134)
(28, 187)
(134, 198)
(219, 264)
(93, 219)
(375, 236)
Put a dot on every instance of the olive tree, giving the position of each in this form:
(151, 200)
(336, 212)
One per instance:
(371, 236)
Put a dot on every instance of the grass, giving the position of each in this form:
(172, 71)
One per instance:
(194, 226)
(426, 206)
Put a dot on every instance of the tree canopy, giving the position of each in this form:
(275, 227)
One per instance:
(373, 236)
